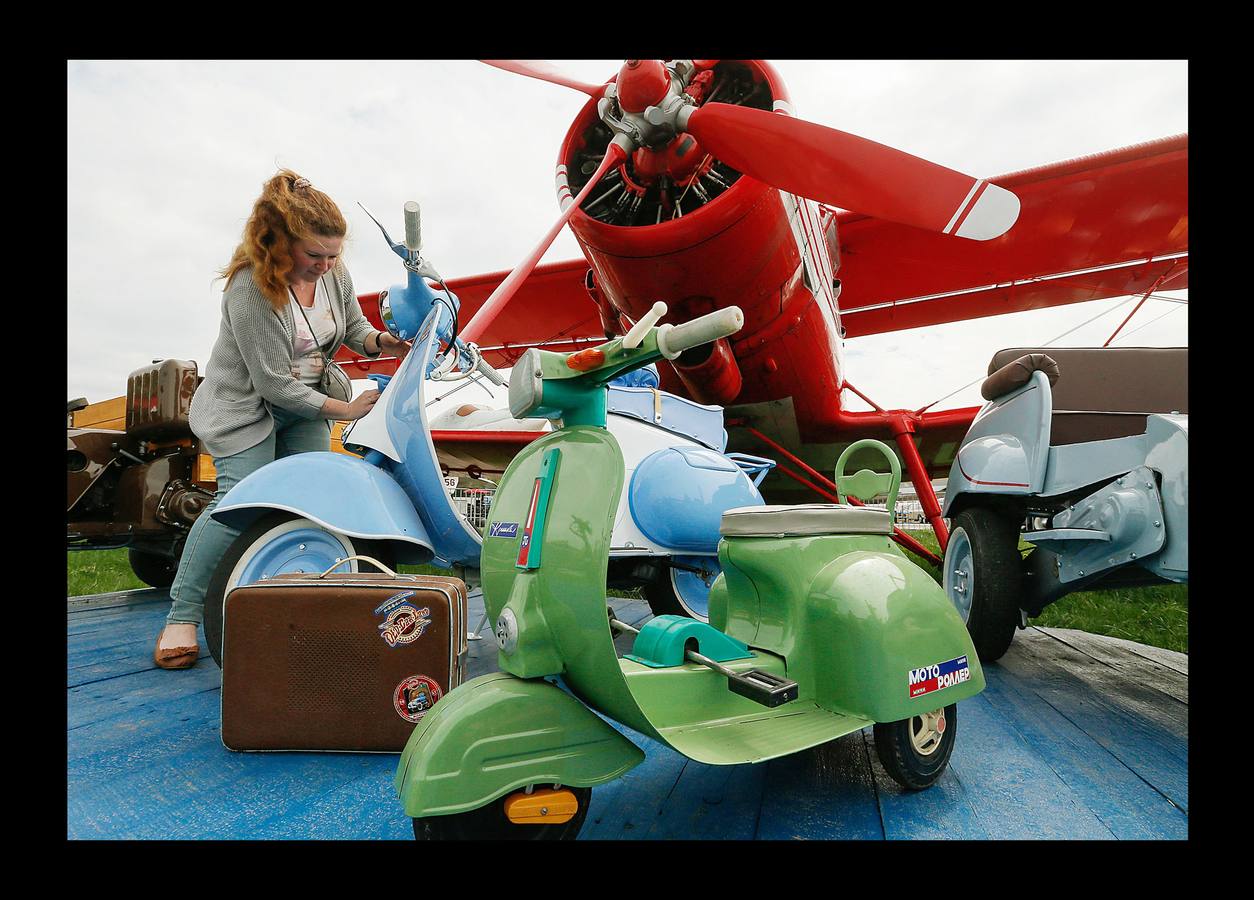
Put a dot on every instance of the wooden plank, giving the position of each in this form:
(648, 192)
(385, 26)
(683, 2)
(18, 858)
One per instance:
(78, 604)
(1161, 670)
(827, 793)
(1125, 804)
(628, 807)
(1133, 686)
(1116, 713)
(1061, 744)
(1008, 791)
(711, 803)
(110, 414)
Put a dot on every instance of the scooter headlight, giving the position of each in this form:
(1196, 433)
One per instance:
(385, 313)
(526, 385)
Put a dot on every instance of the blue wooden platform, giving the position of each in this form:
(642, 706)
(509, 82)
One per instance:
(1076, 736)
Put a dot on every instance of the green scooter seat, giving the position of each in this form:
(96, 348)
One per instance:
(804, 519)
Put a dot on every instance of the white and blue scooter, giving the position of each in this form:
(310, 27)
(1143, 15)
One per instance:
(304, 513)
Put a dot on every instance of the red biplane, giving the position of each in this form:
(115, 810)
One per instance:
(693, 182)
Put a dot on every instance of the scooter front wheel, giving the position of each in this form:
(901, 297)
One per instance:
(915, 751)
(492, 823)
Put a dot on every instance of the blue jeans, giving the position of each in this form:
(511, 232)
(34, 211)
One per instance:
(209, 539)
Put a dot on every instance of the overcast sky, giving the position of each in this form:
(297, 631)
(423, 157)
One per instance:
(166, 158)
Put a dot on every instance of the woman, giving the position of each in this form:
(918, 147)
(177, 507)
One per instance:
(269, 389)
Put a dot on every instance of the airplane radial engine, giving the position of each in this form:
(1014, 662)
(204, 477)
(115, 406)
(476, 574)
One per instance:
(674, 223)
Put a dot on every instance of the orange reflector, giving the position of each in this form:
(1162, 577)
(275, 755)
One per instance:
(585, 360)
(541, 807)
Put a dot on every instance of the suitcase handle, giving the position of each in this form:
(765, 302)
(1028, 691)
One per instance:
(368, 559)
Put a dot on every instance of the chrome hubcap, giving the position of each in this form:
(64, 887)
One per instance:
(959, 582)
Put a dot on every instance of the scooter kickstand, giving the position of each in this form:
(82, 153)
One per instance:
(760, 687)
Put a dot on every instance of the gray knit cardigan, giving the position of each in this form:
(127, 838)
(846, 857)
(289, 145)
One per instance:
(250, 368)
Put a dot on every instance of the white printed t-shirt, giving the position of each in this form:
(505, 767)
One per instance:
(307, 359)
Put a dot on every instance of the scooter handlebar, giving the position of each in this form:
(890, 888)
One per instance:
(490, 373)
(413, 227)
(672, 341)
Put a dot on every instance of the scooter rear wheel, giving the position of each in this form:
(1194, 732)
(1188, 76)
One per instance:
(982, 577)
(915, 751)
(489, 823)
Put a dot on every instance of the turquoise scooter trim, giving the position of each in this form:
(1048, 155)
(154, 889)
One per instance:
(338, 492)
(663, 639)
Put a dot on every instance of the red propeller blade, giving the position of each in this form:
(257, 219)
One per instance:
(486, 314)
(851, 172)
(538, 68)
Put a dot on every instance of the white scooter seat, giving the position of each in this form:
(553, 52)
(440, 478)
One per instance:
(804, 519)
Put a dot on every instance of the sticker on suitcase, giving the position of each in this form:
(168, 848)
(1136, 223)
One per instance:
(403, 623)
(414, 696)
(938, 676)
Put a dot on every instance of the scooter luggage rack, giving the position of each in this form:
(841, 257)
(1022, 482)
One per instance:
(768, 689)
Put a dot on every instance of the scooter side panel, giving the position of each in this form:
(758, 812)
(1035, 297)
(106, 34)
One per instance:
(890, 642)
(853, 618)
(496, 734)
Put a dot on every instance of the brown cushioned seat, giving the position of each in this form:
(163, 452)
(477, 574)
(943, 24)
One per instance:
(1107, 392)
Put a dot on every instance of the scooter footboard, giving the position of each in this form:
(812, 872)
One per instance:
(497, 733)
(895, 646)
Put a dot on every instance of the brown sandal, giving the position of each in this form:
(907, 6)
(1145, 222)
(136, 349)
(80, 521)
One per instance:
(174, 657)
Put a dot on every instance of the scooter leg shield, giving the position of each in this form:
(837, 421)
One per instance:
(497, 733)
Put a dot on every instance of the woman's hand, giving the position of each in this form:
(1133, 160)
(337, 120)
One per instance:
(393, 346)
(361, 404)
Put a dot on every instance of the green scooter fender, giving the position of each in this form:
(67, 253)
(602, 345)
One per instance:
(897, 648)
(865, 631)
(498, 733)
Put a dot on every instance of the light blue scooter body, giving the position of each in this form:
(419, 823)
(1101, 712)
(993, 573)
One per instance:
(403, 503)
(340, 493)
(455, 541)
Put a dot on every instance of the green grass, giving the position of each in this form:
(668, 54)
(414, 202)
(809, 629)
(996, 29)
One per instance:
(99, 572)
(1157, 616)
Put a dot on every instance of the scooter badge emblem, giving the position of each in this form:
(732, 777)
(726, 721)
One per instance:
(503, 530)
(414, 696)
(938, 676)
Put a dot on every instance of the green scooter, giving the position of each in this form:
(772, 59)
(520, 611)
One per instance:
(819, 626)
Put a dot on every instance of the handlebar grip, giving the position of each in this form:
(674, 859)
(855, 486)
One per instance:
(490, 373)
(721, 323)
(413, 227)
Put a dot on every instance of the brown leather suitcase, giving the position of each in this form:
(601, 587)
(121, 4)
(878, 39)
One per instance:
(347, 662)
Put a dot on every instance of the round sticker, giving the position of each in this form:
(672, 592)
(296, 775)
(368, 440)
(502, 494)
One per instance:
(414, 696)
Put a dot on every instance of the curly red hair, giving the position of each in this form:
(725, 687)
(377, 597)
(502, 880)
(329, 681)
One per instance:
(288, 210)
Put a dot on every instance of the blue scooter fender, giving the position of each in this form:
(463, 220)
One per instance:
(498, 733)
(339, 492)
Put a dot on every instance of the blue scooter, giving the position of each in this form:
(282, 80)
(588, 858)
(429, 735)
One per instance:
(393, 504)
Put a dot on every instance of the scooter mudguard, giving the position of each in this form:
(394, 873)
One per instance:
(496, 734)
(339, 492)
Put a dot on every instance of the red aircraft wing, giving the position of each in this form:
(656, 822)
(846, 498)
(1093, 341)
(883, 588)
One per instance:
(1099, 226)
(551, 307)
